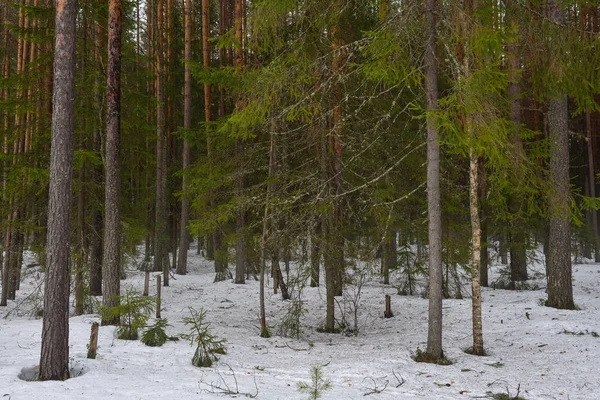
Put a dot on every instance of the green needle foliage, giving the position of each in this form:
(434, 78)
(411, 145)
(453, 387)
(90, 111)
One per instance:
(318, 384)
(207, 344)
(156, 336)
(134, 311)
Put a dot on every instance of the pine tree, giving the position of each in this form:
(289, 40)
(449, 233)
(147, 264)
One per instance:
(54, 362)
(434, 335)
(111, 267)
(558, 264)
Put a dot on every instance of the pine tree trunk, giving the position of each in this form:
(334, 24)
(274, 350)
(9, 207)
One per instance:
(592, 187)
(161, 238)
(240, 222)
(518, 235)
(111, 259)
(54, 361)
(334, 247)
(558, 264)
(79, 288)
(96, 239)
(187, 124)
(434, 212)
(219, 248)
(560, 290)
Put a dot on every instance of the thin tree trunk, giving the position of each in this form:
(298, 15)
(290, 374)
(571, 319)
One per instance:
(79, 288)
(54, 361)
(334, 256)
(219, 247)
(388, 256)
(265, 235)
(476, 253)
(434, 331)
(315, 254)
(240, 222)
(96, 240)
(161, 238)
(111, 259)
(483, 270)
(187, 124)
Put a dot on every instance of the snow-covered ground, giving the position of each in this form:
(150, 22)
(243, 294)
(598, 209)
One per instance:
(540, 352)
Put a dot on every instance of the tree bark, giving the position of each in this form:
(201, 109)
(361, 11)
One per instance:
(592, 186)
(184, 242)
(483, 268)
(96, 240)
(240, 221)
(161, 238)
(219, 248)
(475, 254)
(388, 255)
(111, 259)
(315, 254)
(558, 264)
(54, 361)
(434, 211)
(334, 247)
(518, 235)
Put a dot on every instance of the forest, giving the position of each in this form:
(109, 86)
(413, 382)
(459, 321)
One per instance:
(435, 148)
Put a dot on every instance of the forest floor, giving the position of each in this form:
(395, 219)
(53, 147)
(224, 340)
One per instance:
(533, 351)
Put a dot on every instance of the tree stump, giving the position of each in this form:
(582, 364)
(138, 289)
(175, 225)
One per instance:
(388, 307)
(93, 341)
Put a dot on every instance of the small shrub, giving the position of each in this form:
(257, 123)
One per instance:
(155, 336)
(503, 396)
(318, 384)
(133, 310)
(207, 344)
(265, 333)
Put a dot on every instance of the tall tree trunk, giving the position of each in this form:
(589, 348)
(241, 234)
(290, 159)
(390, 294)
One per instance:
(6, 96)
(474, 206)
(334, 256)
(151, 86)
(219, 246)
(161, 238)
(240, 222)
(518, 232)
(111, 259)
(79, 269)
(483, 269)
(558, 264)
(476, 253)
(434, 211)
(96, 239)
(54, 361)
(184, 241)
(592, 186)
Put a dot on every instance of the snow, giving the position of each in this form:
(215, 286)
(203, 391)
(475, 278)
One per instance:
(541, 352)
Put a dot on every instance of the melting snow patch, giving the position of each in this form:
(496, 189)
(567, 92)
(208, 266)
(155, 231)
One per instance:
(32, 374)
